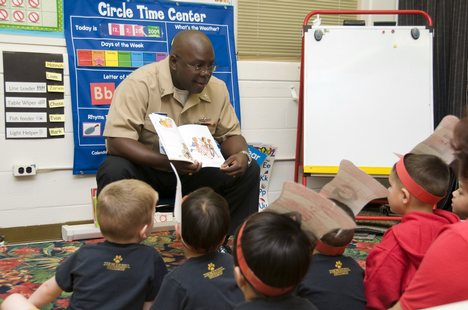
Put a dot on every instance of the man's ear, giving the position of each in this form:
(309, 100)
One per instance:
(172, 61)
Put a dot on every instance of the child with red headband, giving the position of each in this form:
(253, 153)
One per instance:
(460, 145)
(334, 281)
(442, 277)
(206, 279)
(417, 183)
(271, 257)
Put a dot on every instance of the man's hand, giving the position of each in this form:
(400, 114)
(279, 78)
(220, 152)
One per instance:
(237, 162)
(185, 168)
(235, 165)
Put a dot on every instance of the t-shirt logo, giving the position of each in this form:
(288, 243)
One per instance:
(213, 272)
(116, 264)
(339, 270)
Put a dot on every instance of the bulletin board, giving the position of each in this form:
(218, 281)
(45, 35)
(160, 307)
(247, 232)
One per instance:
(367, 95)
(34, 95)
(108, 39)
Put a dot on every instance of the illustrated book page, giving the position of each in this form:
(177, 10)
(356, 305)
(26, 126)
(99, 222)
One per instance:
(188, 143)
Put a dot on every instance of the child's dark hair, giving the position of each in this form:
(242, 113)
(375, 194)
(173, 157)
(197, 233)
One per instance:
(460, 145)
(205, 219)
(274, 248)
(428, 171)
(342, 237)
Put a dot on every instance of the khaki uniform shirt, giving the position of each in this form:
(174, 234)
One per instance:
(149, 89)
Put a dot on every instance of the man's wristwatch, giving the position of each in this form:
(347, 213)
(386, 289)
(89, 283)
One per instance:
(249, 159)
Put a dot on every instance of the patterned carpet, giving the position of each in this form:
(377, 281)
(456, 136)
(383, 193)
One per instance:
(24, 267)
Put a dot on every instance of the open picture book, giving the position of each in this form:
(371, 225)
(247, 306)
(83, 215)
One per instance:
(188, 143)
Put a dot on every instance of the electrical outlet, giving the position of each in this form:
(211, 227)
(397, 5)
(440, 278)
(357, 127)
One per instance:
(24, 170)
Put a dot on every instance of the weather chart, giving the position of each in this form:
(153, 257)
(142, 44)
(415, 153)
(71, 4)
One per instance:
(107, 40)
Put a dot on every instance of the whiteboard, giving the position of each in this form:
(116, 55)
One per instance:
(367, 96)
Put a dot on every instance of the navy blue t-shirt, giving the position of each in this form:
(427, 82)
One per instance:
(204, 282)
(334, 283)
(288, 302)
(111, 276)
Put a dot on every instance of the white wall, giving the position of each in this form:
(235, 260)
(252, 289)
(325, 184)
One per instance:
(378, 5)
(54, 195)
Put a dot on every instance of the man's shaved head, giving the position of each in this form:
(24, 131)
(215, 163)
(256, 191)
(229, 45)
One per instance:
(188, 40)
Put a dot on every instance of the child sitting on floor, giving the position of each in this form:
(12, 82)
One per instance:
(441, 278)
(334, 281)
(119, 273)
(271, 256)
(417, 183)
(206, 279)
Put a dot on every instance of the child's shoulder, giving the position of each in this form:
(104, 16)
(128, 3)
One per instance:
(106, 246)
(423, 219)
(143, 248)
(343, 259)
(205, 263)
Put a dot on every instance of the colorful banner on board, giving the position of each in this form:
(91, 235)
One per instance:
(107, 40)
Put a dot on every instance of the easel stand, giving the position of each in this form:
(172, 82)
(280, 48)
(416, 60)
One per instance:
(306, 77)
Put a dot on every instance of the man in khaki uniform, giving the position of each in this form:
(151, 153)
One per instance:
(181, 86)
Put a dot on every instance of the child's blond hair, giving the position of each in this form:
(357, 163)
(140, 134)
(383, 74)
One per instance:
(124, 208)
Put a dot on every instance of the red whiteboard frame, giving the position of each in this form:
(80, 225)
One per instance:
(300, 120)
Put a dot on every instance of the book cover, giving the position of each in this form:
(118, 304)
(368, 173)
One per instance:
(264, 155)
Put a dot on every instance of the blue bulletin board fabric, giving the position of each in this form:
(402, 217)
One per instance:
(107, 40)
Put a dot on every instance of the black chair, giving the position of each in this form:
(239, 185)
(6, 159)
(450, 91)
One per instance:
(165, 205)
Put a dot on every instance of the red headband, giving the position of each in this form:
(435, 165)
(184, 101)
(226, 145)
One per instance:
(414, 188)
(258, 284)
(328, 249)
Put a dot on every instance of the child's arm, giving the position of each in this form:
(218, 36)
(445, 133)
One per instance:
(17, 302)
(46, 293)
(384, 274)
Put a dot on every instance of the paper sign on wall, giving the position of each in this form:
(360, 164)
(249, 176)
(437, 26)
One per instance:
(29, 86)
